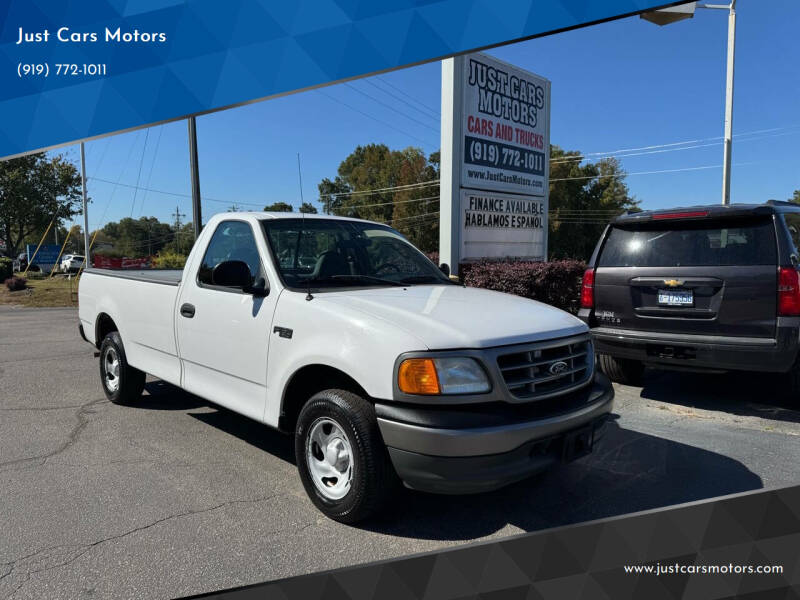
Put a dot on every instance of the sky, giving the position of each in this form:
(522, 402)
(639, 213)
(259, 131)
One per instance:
(656, 92)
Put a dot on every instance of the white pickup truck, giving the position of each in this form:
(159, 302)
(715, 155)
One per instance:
(341, 332)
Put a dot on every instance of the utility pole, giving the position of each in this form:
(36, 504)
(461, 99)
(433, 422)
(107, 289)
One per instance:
(87, 260)
(177, 225)
(673, 14)
(178, 216)
(197, 217)
(726, 163)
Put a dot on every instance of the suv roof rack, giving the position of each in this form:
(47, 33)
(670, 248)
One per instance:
(781, 203)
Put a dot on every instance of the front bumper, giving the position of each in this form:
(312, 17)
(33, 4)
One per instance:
(469, 449)
(702, 352)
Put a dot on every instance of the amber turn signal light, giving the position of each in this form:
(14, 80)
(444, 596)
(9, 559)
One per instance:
(418, 376)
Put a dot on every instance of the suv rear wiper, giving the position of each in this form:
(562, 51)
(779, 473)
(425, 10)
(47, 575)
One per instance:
(356, 278)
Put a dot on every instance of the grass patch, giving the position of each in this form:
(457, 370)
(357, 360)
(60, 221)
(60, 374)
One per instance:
(41, 292)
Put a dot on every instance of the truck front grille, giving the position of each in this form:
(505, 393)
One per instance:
(549, 369)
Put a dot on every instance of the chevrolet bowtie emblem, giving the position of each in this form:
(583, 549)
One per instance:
(673, 282)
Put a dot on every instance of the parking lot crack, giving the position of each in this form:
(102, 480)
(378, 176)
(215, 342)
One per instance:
(82, 416)
(63, 555)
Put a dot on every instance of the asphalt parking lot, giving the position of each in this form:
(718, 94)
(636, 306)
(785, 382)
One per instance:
(176, 497)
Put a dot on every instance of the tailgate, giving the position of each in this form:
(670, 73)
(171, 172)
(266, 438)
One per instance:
(695, 277)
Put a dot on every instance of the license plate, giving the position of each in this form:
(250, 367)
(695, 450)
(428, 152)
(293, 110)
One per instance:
(675, 298)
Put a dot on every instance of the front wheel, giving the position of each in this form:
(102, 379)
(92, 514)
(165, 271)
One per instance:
(343, 463)
(122, 383)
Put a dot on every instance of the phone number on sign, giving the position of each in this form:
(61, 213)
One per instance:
(495, 154)
(60, 69)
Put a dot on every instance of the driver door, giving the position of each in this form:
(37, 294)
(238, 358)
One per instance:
(223, 333)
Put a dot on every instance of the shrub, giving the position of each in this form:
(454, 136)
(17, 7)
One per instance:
(16, 283)
(168, 259)
(6, 268)
(557, 282)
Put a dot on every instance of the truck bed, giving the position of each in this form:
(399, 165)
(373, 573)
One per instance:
(161, 276)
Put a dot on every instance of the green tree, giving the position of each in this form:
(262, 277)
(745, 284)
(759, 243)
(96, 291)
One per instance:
(308, 208)
(583, 198)
(35, 190)
(139, 237)
(181, 239)
(279, 207)
(388, 186)
(795, 197)
(416, 208)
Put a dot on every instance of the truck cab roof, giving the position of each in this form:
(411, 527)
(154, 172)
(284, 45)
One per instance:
(264, 215)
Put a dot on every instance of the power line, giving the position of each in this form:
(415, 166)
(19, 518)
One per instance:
(354, 206)
(152, 165)
(386, 189)
(623, 175)
(390, 107)
(701, 143)
(176, 194)
(410, 97)
(374, 118)
(139, 176)
(117, 183)
(426, 112)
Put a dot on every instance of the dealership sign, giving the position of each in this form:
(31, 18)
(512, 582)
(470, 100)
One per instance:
(495, 161)
(505, 124)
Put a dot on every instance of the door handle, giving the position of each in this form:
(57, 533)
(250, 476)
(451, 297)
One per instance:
(187, 310)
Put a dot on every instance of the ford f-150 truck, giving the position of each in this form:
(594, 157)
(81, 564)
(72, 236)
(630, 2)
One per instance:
(341, 332)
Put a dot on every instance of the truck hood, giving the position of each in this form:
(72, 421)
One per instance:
(445, 317)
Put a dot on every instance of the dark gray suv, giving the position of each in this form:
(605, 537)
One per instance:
(704, 288)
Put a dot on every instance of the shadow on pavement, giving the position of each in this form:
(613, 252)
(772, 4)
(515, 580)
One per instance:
(262, 437)
(629, 472)
(743, 394)
(164, 396)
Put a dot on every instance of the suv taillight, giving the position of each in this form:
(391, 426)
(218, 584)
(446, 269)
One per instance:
(788, 292)
(587, 289)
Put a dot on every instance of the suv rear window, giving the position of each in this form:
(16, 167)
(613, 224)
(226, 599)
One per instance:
(691, 244)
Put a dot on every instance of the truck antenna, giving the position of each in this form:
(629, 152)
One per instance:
(309, 297)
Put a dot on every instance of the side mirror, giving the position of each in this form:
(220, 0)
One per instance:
(445, 268)
(232, 273)
(259, 289)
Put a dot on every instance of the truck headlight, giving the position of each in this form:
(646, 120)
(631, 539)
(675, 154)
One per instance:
(433, 376)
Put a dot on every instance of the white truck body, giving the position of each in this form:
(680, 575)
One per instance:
(242, 351)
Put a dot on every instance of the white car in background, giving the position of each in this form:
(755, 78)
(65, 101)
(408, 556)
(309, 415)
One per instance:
(71, 263)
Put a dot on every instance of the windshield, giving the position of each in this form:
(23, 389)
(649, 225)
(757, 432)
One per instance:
(330, 253)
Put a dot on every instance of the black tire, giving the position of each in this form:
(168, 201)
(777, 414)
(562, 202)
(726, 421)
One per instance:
(127, 384)
(621, 370)
(372, 479)
(788, 384)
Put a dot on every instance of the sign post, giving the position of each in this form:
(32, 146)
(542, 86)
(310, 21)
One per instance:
(495, 161)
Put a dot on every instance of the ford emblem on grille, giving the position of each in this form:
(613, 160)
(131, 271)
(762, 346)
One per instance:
(558, 367)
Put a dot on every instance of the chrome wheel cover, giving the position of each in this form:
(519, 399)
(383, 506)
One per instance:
(329, 457)
(111, 369)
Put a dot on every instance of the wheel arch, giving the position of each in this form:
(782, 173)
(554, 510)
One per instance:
(307, 381)
(104, 324)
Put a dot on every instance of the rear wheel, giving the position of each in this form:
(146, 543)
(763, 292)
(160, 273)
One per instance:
(621, 370)
(789, 383)
(343, 463)
(122, 383)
